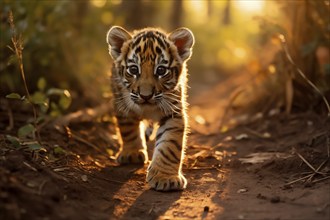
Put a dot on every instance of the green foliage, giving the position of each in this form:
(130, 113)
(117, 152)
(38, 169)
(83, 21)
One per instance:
(29, 145)
(13, 140)
(13, 96)
(52, 101)
(55, 37)
(59, 150)
(26, 130)
(42, 99)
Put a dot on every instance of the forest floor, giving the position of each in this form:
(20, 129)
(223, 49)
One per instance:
(267, 167)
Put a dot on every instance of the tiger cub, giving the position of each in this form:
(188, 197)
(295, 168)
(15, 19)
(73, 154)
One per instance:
(149, 81)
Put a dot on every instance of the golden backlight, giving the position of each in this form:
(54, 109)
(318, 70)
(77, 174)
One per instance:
(250, 5)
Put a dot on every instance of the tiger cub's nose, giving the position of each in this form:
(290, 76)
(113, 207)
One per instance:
(147, 97)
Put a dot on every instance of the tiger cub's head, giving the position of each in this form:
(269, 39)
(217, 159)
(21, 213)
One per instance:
(149, 62)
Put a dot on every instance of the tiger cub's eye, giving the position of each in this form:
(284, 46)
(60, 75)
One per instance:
(161, 71)
(134, 70)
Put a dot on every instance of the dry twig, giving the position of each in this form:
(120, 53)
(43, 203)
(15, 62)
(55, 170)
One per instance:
(18, 51)
(82, 140)
(84, 115)
(29, 166)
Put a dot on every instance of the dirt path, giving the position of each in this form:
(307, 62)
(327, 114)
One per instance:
(220, 185)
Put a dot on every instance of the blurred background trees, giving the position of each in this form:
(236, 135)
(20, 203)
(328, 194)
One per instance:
(64, 42)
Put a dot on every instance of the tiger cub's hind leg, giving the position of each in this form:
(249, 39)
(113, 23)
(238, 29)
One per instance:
(133, 149)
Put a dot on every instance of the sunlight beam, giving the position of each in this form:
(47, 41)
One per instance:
(250, 5)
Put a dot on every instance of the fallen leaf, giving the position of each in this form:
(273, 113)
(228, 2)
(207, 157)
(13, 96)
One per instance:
(200, 120)
(263, 156)
(241, 136)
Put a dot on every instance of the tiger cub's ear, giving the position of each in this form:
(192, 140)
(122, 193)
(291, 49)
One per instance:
(183, 39)
(116, 37)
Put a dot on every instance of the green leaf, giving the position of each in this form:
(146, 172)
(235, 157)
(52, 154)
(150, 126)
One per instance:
(58, 150)
(54, 110)
(44, 106)
(34, 146)
(41, 84)
(65, 100)
(25, 130)
(13, 140)
(54, 91)
(13, 96)
(38, 98)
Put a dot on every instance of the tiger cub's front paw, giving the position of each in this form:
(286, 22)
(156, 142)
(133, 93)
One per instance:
(132, 156)
(161, 181)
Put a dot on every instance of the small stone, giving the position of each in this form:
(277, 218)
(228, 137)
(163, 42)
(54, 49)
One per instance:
(275, 199)
(84, 178)
(206, 209)
(31, 184)
(242, 190)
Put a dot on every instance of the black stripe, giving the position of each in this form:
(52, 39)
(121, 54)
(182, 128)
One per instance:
(166, 157)
(163, 120)
(159, 135)
(145, 46)
(164, 162)
(138, 50)
(175, 70)
(121, 71)
(173, 154)
(167, 164)
(164, 167)
(174, 142)
(137, 41)
(160, 42)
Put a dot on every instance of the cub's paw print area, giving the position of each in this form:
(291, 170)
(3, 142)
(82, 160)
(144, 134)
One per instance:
(165, 182)
(132, 157)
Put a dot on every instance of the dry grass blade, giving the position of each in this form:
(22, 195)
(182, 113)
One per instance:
(288, 94)
(328, 145)
(310, 176)
(29, 166)
(234, 95)
(317, 171)
(286, 50)
(297, 180)
(319, 180)
(306, 162)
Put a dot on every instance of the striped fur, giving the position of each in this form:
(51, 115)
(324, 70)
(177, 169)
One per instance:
(149, 82)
